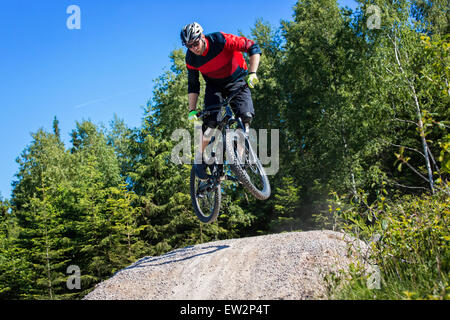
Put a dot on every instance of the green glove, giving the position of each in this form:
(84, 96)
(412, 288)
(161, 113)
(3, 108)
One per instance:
(252, 80)
(192, 115)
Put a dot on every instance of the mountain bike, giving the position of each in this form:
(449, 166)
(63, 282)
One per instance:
(241, 164)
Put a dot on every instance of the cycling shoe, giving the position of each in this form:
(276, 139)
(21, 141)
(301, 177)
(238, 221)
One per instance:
(200, 171)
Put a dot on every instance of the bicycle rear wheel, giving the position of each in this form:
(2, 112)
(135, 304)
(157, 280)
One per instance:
(246, 166)
(206, 198)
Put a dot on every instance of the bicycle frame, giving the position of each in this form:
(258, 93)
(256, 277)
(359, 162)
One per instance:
(227, 120)
(228, 112)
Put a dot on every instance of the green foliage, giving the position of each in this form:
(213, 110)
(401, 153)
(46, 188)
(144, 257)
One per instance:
(409, 239)
(14, 269)
(286, 201)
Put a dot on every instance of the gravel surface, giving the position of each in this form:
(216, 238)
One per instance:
(279, 266)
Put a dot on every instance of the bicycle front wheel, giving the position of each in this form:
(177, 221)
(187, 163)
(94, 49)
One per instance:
(206, 198)
(246, 165)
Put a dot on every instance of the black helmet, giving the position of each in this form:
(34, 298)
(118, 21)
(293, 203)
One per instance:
(190, 32)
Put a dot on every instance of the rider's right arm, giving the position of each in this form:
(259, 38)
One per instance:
(193, 81)
(193, 97)
(193, 88)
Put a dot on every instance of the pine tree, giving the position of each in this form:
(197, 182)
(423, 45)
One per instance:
(125, 226)
(56, 129)
(40, 222)
(49, 247)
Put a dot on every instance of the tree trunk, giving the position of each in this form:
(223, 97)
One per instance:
(424, 141)
(352, 175)
(419, 115)
(47, 256)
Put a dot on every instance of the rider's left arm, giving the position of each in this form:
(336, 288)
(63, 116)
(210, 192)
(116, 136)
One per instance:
(254, 62)
(236, 43)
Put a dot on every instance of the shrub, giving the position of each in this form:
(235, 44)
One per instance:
(409, 238)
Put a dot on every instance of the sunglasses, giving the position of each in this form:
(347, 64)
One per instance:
(193, 44)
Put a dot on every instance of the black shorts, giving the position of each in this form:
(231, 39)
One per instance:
(240, 104)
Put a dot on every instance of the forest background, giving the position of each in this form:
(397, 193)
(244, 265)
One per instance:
(361, 99)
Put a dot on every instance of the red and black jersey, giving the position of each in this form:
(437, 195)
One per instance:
(222, 62)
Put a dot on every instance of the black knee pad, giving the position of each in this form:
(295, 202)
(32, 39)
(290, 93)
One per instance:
(247, 117)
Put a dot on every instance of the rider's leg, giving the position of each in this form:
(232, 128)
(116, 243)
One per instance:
(242, 106)
(242, 103)
(246, 118)
(212, 97)
(200, 165)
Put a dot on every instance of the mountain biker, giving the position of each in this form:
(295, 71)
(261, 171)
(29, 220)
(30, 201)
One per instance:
(218, 57)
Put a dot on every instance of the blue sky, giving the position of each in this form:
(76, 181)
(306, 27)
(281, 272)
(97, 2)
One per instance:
(107, 67)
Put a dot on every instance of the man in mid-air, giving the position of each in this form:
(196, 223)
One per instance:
(218, 57)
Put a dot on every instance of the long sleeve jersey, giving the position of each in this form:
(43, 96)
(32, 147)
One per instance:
(222, 61)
